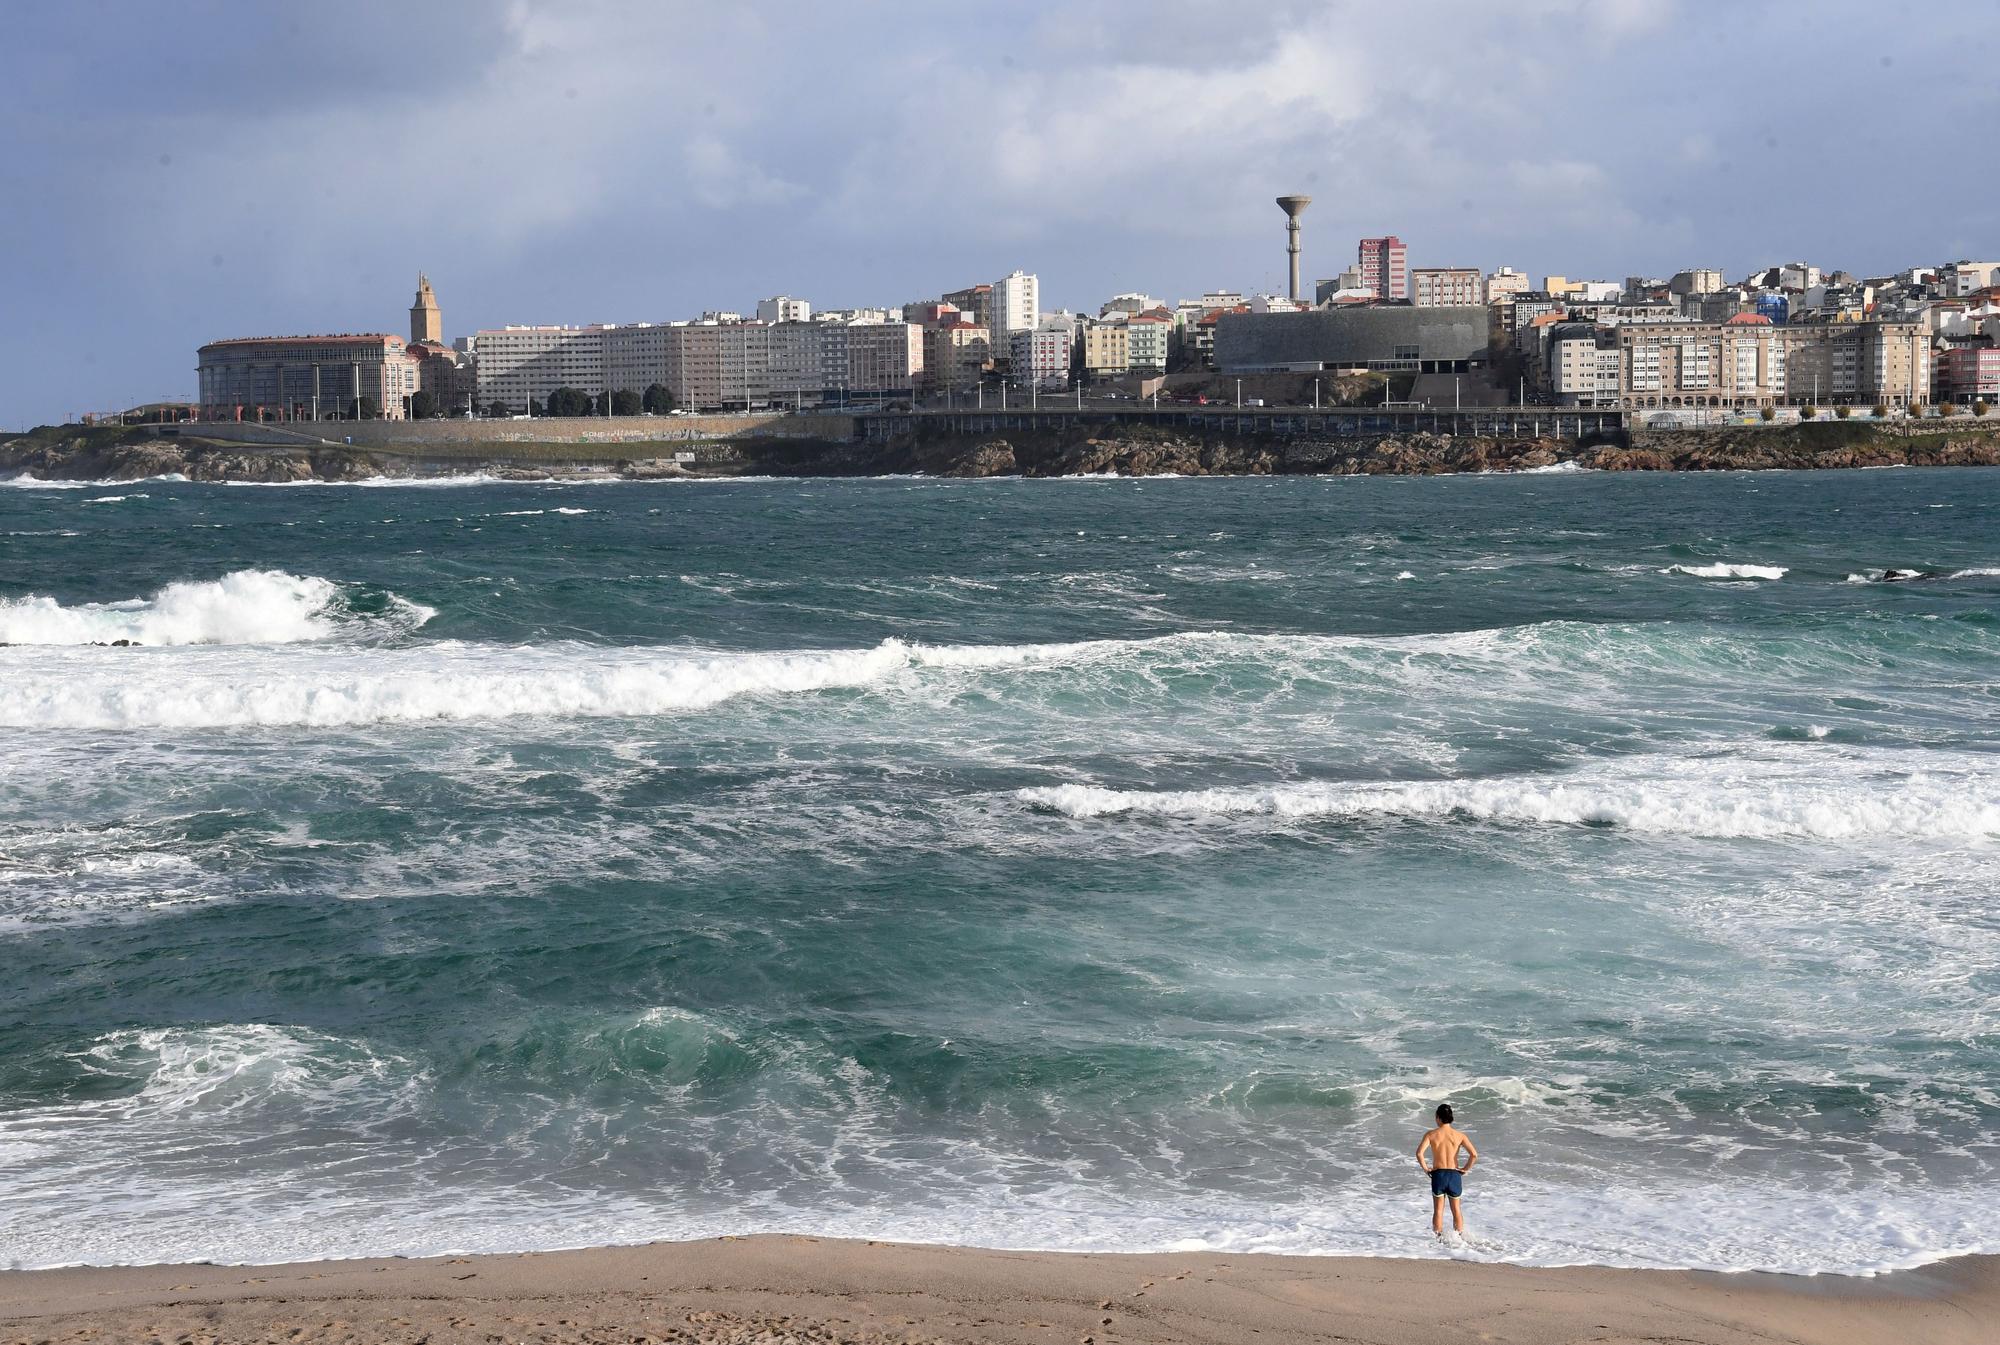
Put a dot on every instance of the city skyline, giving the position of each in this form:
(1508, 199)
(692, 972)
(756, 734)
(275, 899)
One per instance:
(287, 173)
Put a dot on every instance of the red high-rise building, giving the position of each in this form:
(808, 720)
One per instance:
(1385, 267)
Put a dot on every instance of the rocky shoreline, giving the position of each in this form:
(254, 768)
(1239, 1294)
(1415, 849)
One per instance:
(97, 455)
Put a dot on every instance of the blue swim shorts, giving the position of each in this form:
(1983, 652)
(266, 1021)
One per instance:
(1447, 1182)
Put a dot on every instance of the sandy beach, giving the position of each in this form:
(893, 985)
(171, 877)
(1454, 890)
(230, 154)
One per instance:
(784, 1289)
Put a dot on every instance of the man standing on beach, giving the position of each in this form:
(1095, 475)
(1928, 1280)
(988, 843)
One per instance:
(1447, 1177)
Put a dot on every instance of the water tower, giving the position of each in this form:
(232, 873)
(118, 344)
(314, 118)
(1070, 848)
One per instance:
(1293, 206)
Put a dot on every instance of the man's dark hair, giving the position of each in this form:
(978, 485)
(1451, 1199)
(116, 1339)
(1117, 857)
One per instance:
(1444, 1113)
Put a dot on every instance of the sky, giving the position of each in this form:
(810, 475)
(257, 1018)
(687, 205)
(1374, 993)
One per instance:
(178, 171)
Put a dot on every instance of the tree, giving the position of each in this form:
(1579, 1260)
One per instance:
(365, 409)
(1768, 413)
(1881, 412)
(658, 401)
(625, 402)
(1843, 410)
(1947, 408)
(423, 405)
(1980, 408)
(1808, 412)
(569, 402)
(499, 410)
(600, 405)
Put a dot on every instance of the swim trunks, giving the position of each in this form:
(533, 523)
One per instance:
(1447, 1182)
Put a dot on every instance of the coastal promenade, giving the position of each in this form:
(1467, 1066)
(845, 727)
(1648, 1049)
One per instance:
(1525, 422)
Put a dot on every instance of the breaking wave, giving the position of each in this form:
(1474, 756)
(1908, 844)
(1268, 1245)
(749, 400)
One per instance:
(1724, 570)
(243, 607)
(1765, 805)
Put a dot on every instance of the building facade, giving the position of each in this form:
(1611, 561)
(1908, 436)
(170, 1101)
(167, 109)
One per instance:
(1107, 349)
(426, 322)
(1017, 307)
(1504, 284)
(1147, 336)
(517, 365)
(1041, 358)
(1386, 337)
(719, 366)
(784, 308)
(1384, 266)
(306, 377)
(975, 301)
(1969, 373)
(956, 354)
(635, 356)
(1748, 362)
(1446, 287)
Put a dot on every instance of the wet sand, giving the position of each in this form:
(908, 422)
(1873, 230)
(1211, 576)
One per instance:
(783, 1289)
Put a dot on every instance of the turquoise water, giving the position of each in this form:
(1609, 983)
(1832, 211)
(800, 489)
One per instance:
(1076, 863)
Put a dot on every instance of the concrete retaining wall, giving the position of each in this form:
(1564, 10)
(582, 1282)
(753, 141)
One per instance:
(622, 436)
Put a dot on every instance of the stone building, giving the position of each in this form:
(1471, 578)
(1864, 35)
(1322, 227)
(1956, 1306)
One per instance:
(306, 377)
(426, 322)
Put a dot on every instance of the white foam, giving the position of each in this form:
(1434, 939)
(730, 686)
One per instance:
(243, 607)
(1977, 572)
(1724, 570)
(1734, 800)
(25, 482)
(255, 1143)
(454, 681)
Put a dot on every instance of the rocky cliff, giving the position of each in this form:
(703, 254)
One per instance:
(98, 455)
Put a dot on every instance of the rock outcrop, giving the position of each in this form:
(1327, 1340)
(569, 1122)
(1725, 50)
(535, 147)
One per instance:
(98, 455)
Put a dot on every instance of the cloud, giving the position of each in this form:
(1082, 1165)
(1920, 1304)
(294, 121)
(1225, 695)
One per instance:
(551, 160)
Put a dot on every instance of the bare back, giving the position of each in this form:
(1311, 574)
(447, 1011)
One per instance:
(1444, 1144)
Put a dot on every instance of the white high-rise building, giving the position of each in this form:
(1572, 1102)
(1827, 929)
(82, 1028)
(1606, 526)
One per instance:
(784, 308)
(1017, 307)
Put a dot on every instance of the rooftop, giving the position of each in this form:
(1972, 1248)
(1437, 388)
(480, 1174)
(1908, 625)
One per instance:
(335, 338)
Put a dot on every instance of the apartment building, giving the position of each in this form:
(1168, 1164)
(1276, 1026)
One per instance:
(1859, 363)
(975, 301)
(1017, 307)
(784, 308)
(1504, 284)
(1584, 364)
(1747, 362)
(956, 353)
(1969, 373)
(1041, 358)
(635, 356)
(306, 377)
(516, 364)
(1107, 349)
(719, 365)
(1446, 287)
(1147, 336)
(1962, 278)
(1384, 264)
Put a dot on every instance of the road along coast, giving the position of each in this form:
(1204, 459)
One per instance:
(429, 450)
(799, 1289)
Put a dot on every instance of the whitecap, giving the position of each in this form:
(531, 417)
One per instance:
(242, 607)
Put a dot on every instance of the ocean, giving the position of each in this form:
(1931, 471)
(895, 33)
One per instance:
(1086, 863)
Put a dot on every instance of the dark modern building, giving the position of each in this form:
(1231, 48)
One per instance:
(1359, 336)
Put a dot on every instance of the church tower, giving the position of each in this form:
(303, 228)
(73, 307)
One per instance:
(425, 322)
